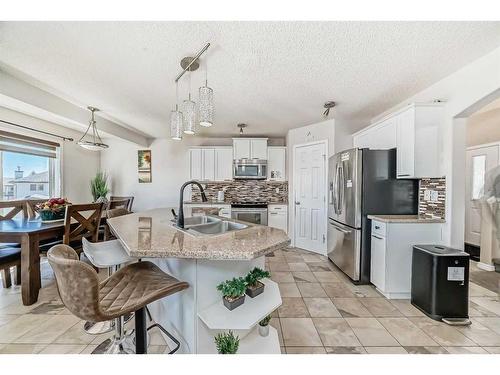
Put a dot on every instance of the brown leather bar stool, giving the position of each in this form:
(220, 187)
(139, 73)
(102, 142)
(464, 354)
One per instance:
(128, 290)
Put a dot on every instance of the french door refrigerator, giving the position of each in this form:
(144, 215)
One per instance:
(363, 182)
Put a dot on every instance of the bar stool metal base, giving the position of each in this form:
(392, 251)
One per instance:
(114, 345)
(98, 328)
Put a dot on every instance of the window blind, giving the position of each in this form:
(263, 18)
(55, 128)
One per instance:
(12, 142)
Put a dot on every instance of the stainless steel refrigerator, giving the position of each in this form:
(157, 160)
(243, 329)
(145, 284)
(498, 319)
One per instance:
(363, 182)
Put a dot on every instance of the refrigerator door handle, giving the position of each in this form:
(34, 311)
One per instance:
(341, 187)
(342, 230)
(335, 190)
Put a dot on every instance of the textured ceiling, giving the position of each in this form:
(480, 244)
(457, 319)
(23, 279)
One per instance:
(274, 76)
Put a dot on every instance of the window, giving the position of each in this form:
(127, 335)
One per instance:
(478, 174)
(29, 167)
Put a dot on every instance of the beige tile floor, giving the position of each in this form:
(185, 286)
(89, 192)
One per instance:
(322, 312)
(47, 327)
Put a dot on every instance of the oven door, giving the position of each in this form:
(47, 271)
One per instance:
(250, 171)
(250, 215)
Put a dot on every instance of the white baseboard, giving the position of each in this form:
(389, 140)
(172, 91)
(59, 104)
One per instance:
(395, 295)
(486, 267)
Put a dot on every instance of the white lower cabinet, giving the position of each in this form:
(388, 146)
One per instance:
(278, 217)
(391, 253)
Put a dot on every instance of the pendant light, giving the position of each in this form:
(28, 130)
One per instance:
(189, 113)
(96, 144)
(176, 118)
(206, 100)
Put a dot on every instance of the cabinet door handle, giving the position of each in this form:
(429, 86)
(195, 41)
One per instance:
(377, 237)
(403, 175)
(273, 213)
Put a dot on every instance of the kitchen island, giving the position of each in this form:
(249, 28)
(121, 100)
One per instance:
(196, 315)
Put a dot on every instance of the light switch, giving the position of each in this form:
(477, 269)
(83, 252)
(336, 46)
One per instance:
(434, 196)
(427, 195)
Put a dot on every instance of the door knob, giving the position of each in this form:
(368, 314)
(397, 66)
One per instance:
(297, 203)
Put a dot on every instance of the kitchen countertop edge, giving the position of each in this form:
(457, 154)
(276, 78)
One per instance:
(415, 219)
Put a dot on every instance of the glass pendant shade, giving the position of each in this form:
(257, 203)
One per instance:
(189, 116)
(206, 106)
(176, 125)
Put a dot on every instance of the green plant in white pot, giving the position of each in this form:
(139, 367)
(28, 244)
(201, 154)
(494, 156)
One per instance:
(99, 187)
(264, 326)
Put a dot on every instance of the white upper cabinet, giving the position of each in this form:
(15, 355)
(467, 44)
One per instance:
(211, 164)
(196, 163)
(418, 137)
(258, 148)
(223, 163)
(414, 132)
(241, 148)
(208, 164)
(276, 163)
(382, 136)
(250, 148)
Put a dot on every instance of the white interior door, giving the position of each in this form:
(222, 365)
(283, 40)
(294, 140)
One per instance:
(310, 197)
(479, 161)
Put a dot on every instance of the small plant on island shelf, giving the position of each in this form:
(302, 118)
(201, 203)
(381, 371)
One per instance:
(227, 343)
(53, 209)
(264, 326)
(254, 286)
(233, 292)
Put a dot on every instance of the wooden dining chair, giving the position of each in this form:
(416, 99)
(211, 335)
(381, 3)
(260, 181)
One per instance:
(31, 207)
(87, 218)
(10, 209)
(118, 203)
(130, 200)
(10, 253)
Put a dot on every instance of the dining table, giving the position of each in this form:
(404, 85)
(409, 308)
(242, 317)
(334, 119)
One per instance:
(29, 233)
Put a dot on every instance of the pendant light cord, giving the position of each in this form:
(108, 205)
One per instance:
(176, 96)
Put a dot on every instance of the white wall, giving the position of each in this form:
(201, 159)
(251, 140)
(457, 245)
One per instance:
(483, 128)
(310, 133)
(78, 165)
(170, 169)
(464, 92)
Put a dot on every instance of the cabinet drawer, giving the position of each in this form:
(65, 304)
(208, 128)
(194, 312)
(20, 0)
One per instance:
(277, 208)
(378, 228)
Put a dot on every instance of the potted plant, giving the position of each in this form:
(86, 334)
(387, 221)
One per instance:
(227, 343)
(264, 326)
(53, 209)
(254, 286)
(233, 292)
(99, 187)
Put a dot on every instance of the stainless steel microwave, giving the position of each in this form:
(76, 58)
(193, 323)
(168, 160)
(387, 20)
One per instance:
(250, 169)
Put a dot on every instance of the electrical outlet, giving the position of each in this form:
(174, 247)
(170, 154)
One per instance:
(427, 195)
(434, 196)
(277, 190)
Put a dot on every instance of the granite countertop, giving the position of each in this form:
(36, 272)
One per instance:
(207, 203)
(151, 234)
(405, 219)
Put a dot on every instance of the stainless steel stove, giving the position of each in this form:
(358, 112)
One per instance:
(252, 212)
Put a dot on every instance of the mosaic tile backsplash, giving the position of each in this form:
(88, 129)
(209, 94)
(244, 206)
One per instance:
(432, 209)
(245, 191)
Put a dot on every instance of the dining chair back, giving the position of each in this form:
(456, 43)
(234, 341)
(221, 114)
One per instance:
(118, 203)
(31, 207)
(130, 200)
(10, 209)
(87, 217)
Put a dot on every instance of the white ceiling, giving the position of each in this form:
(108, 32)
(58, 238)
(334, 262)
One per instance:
(274, 76)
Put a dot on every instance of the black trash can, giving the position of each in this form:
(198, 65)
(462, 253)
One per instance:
(440, 283)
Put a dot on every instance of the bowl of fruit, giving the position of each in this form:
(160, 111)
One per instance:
(53, 209)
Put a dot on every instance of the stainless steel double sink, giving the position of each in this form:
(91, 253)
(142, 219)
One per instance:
(209, 225)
